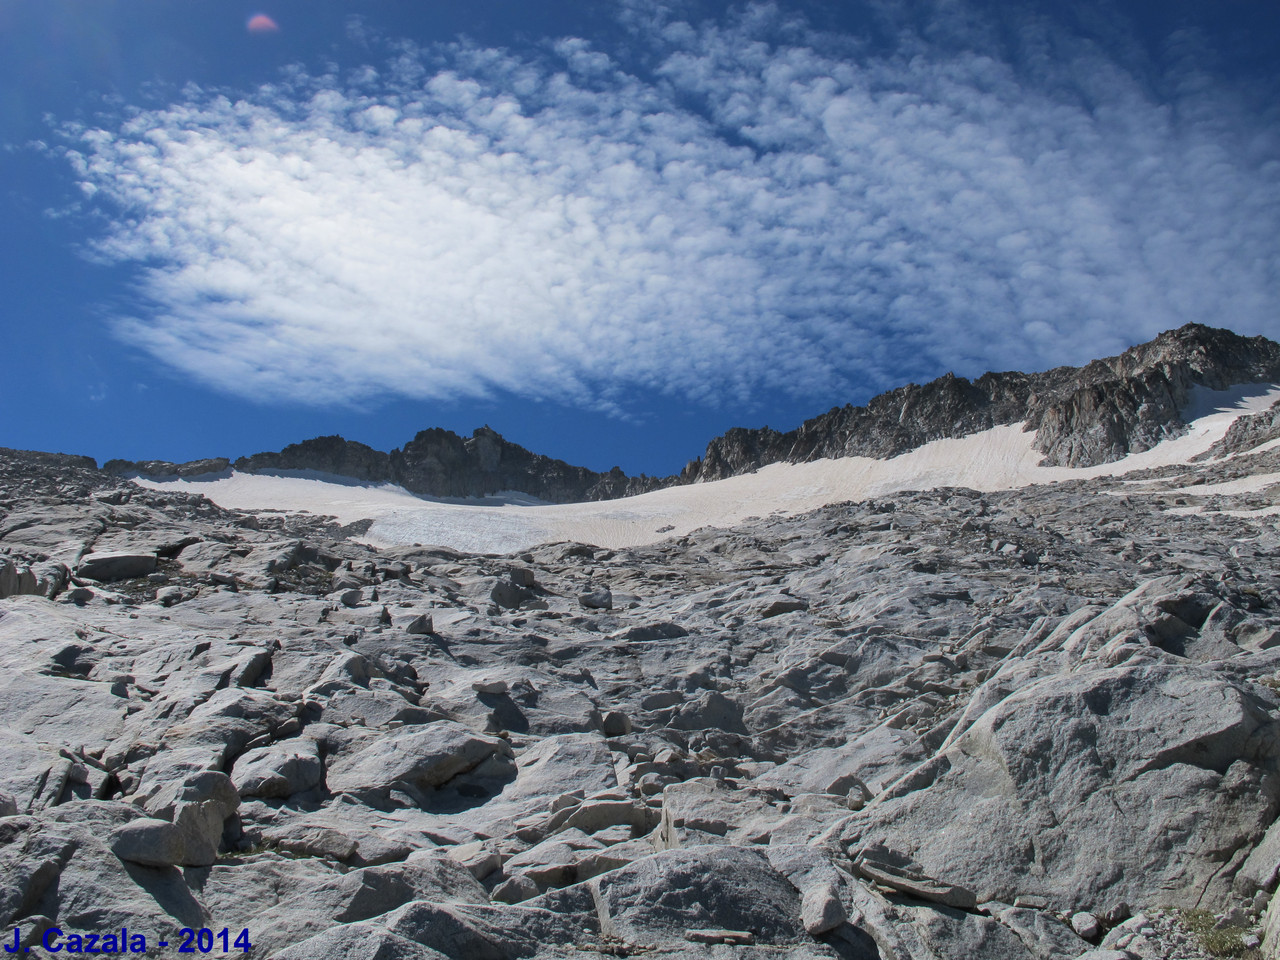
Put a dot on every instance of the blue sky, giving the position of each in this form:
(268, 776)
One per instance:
(610, 231)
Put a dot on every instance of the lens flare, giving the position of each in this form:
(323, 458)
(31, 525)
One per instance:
(261, 23)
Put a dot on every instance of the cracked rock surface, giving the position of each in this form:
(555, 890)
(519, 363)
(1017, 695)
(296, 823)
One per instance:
(947, 724)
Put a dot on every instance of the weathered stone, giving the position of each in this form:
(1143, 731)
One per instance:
(821, 909)
(658, 899)
(1086, 926)
(279, 770)
(616, 724)
(116, 565)
(307, 840)
(357, 941)
(598, 599)
(198, 807)
(152, 843)
(425, 758)
(421, 625)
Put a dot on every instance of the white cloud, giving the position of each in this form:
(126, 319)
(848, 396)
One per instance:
(757, 216)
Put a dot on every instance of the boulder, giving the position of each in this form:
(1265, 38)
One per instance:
(496, 932)
(279, 770)
(655, 901)
(421, 625)
(361, 895)
(1072, 787)
(309, 840)
(198, 806)
(425, 758)
(116, 565)
(152, 843)
(598, 599)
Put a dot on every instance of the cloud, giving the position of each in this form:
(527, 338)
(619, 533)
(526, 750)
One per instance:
(763, 208)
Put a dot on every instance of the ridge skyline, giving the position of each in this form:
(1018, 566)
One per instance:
(1089, 415)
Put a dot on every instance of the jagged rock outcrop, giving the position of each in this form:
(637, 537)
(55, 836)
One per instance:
(1082, 416)
(163, 469)
(333, 455)
(1247, 433)
(440, 463)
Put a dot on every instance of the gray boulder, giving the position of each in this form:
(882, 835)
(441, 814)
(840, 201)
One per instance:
(657, 900)
(425, 758)
(152, 843)
(116, 565)
(198, 807)
(361, 895)
(279, 770)
(1072, 787)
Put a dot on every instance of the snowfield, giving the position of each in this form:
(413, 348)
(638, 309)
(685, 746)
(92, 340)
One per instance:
(998, 459)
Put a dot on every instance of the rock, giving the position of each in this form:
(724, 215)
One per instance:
(197, 806)
(916, 885)
(546, 768)
(168, 596)
(649, 632)
(32, 855)
(1131, 727)
(164, 469)
(421, 625)
(507, 594)
(1086, 926)
(357, 941)
(279, 770)
(485, 932)
(361, 895)
(516, 889)
(479, 859)
(308, 840)
(425, 758)
(658, 899)
(732, 937)
(37, 579)
(595, 815)
(780, 605)
(152, 843)
(33, 776)
(522, 577)
(344, 580)
(115, 565)
(598, 599)
(494, 688)
(616, 724)
(821, 910)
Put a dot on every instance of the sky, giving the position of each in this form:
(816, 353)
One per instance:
(609, 231)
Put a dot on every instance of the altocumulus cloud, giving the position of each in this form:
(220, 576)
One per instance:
(760, 208)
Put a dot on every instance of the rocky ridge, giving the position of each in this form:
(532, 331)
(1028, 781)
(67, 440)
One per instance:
(1034, 724)
(1082, 416)
(436, 463)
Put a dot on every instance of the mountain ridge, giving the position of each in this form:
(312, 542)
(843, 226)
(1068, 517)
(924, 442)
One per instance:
(1083, 416)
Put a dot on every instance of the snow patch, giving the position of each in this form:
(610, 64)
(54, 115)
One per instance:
(1001, 458)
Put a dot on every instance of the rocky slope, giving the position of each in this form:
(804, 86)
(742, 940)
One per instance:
(1082, 416)
(1037, 724)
